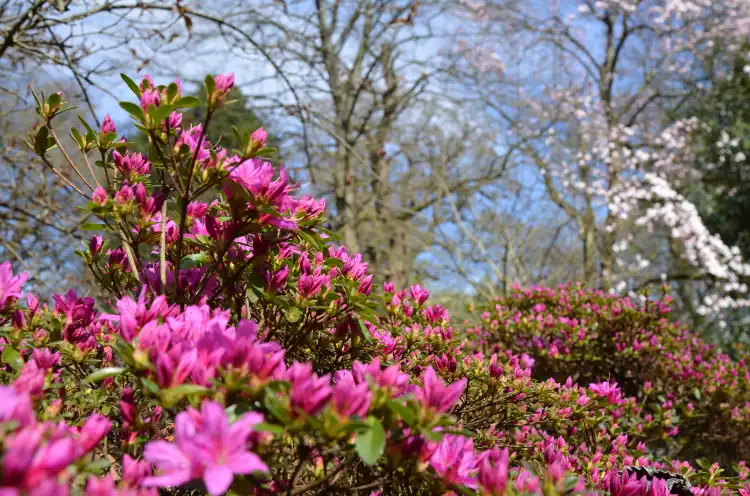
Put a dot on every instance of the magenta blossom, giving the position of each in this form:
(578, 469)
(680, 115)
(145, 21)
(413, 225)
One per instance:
(15, 406)
(100, 196)
(350, 399)
(258, 138)
(493, 471)
(419, 294)
(454, 460)
(131, 163)
(146, 83)
(108, 126)
(150, 97)
(224, 82)
(174, 121)
(309, 393)
(10, 285)
(607, 390)
(95, 244)
(45, 358)
(390, 378)
(206, 446)
(438, 397)
(624, 484)
(309, 285)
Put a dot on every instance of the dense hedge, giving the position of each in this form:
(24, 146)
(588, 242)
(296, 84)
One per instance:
(695, 399)
(242, 351)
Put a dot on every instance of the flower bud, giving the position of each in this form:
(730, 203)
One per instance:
(223, 83)
(100, 196)
(108, 126)
(258, 139)
(175, 120)
(146, 83)
(95, 245)
(150, 97)
(125, 194)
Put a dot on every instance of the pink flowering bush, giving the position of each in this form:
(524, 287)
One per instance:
(695, 399)
(240, 351)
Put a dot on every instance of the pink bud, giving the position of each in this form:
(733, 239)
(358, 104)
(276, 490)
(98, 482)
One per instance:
(95, 244)
(224, 82)
(108, 126)
(197, 209)
(259, 138)
(100, 196)
(175, 120)
(124, 195)
(32, 302)
(150, 97)
(146, 83)
(365, 286)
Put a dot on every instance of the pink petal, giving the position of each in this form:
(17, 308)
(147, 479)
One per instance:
(171, 479)
(217, 479)
(166, 456)
(247, 463)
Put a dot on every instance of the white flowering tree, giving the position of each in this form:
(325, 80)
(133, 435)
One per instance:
(590, 91)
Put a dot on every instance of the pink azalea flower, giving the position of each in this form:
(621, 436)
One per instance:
(454, 460)
(10, 285)
(436, 396)
(493, 471)
(206, 447)
(108, 126)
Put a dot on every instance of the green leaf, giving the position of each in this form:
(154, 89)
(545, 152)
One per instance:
(697, 393)
(430, 435)
(237, 136)
(36, 98)
(101, 374)
(41, 141)
(76, 137)
(150, 385)
(12, 357)
(252, 295)
(187, 102)
(402, 411)
(330, 233)
(172, 90)
(99, 465)
(93, 227)
(160, 113)
(266, 427)
(172, 396)
(370, 443)
(365, 331)
(293, 314)
(264, 152)
(193, 260)
(134, 110)
(210, 85)
(185, 389)
(133, 87)
(54, 100)
(273, 405)
(85, 124)
(333, 262)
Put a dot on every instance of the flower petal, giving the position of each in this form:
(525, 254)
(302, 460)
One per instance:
(247, 463)
(217, 479)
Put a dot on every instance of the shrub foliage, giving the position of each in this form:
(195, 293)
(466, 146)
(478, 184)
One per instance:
(242, 350)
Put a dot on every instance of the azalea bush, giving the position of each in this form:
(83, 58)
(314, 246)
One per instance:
(695, 398)
(241, 350)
